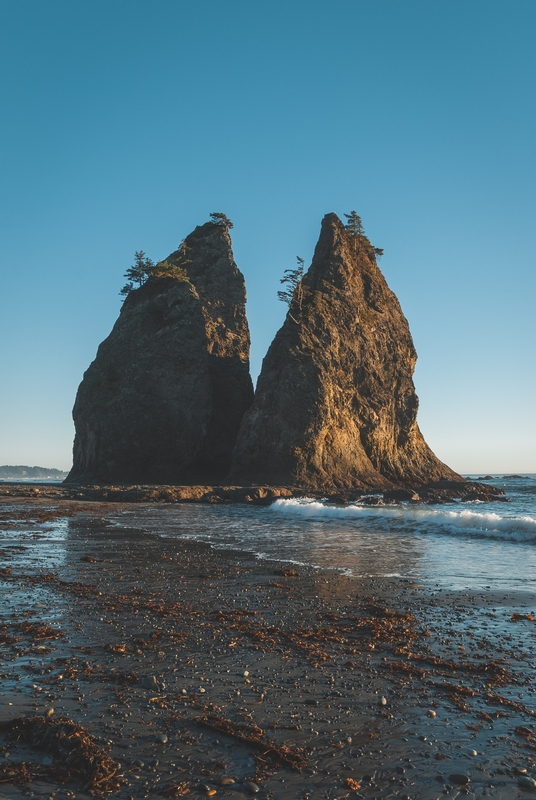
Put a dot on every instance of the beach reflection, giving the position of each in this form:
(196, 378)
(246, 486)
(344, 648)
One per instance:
(391, 543)
(332, 544)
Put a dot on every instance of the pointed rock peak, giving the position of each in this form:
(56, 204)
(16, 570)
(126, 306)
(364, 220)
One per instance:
(343, 257)
(207, 256)
(335, 406)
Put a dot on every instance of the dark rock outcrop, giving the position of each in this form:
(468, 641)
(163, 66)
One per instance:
(446, 491)
(163, 400)
(335, 406)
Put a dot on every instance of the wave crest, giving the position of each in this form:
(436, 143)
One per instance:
(415, 519)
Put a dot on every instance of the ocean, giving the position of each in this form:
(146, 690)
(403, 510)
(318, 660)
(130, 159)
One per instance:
(456, 546)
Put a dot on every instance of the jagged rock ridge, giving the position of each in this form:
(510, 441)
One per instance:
(163, 400)
(335, 405)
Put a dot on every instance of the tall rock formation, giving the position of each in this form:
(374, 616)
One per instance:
(335, 406)
(163, 400)
(222, 292)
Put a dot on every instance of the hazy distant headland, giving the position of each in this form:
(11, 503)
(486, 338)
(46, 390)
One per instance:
(20, 472)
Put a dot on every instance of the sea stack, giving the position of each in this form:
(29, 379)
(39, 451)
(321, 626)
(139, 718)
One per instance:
(335, 406)
(164, 398)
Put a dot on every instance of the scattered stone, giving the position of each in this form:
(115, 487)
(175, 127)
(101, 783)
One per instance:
(150, 682)
(383, 701)
(526, 783)
(400, 494)
(459, 779)
(226, 780)
(431, 713)
(161, 738)
(251, 787)
(472, 753)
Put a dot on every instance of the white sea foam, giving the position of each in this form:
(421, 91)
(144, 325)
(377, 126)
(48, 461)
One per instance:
(415, 519)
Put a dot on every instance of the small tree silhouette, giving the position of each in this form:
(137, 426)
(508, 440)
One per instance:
(354, 226)
(144, 268)
(292, 281)
(138, 273)
(221, 219)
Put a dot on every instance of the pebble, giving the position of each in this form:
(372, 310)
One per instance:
(383, 701)
(161, 738)
(526, 783)
(226, 780)
(246, 673)
(472, 753)
(49, 713)
(459, 779)
(251, 787)
(431, 713)
(150, 682)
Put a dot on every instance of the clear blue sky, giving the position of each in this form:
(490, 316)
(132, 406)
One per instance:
(125, 123)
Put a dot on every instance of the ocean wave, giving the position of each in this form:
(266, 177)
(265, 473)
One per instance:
(415, 519)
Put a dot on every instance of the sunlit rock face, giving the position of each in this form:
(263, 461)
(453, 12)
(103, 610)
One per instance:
(335, 405)
(164, 398)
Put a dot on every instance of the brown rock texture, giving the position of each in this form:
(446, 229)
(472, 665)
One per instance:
(335, 406)
(163, 400)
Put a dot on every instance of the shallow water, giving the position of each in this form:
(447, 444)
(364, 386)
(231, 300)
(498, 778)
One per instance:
(456, 546)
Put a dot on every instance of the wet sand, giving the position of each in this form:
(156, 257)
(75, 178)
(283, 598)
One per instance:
(192, 667)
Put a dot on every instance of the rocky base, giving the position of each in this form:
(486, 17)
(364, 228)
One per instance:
(438, 492)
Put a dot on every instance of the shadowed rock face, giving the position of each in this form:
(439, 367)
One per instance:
(222, 292)
(335, 405)
(163, 400)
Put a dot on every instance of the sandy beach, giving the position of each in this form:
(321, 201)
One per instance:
(204, 672)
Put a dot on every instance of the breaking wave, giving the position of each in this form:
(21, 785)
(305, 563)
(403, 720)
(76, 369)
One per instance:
(414, 519)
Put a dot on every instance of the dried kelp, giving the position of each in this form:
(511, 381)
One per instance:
(70, 742)
(252, 734)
